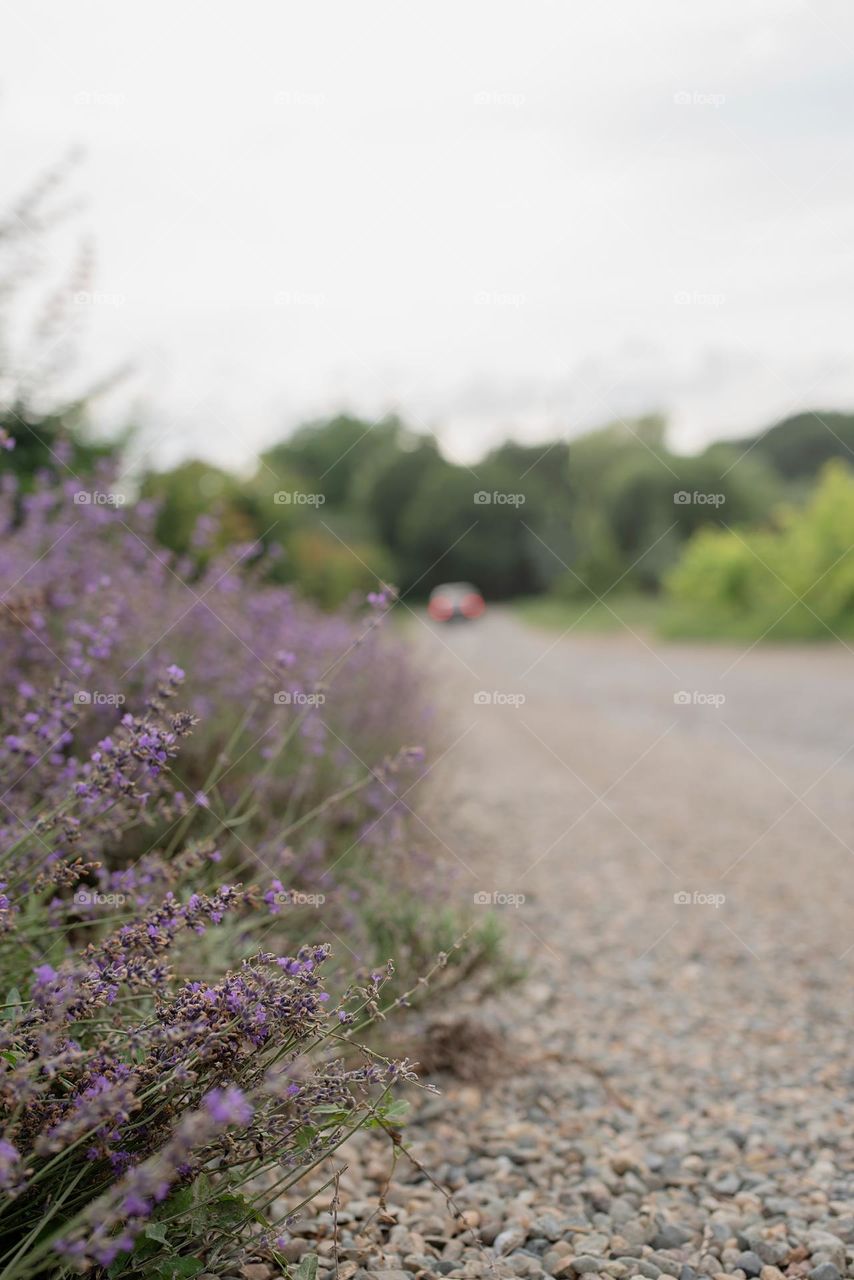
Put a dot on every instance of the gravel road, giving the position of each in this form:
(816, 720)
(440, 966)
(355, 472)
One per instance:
(667, 833)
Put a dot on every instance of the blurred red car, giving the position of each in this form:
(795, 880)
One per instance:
(455, 602)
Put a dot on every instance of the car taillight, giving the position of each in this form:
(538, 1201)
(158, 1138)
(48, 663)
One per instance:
(472, 606)
(440, 608)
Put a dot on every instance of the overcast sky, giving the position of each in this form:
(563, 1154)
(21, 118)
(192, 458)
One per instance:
(497, 216)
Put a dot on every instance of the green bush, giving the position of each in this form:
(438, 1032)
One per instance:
(794, 579)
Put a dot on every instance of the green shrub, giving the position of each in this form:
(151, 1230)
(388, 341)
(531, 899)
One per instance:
(794, 579)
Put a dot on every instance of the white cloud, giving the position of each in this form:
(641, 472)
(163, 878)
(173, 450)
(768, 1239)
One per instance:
(485, 213)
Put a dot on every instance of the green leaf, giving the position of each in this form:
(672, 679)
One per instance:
(13, 999)
(177, 1269)
(395, 1112)
(156, 1231)
(231, 1210)
(180, 1202)
(304, 1136)
(307, 1269)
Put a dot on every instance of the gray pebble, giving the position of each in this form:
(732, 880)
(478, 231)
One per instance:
(585, 1262)
(671, 1236)
(508, 1240)
(826, 1271)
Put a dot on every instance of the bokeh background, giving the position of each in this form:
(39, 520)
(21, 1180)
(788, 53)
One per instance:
(598, 258)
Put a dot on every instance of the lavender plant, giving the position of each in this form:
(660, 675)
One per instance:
(175, 1041)
(302, 704)
(140, 1094)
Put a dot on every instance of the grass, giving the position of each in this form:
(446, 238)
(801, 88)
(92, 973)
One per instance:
(614, 613)
(668, 620)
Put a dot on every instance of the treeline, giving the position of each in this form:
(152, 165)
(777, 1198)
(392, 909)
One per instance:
(343, 502)
(348, 502)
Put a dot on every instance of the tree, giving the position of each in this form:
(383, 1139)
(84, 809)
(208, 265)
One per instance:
(191, 492)
(798, 447)
(51, 432)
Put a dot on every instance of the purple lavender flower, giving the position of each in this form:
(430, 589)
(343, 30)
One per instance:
(229, 1106)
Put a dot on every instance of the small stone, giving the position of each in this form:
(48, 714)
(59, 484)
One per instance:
(727, 1185)
(637, 1233)
(584, 1262)
(640, 1266)
(594, 1244)
(511, 1238)
(771, 1273)
(825, 1271)
(826, 1247)
(562, 1267)
(751, 1264)
(670, 1236)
